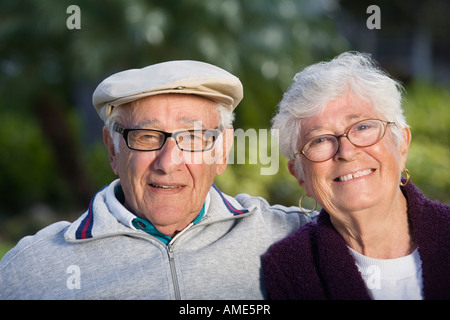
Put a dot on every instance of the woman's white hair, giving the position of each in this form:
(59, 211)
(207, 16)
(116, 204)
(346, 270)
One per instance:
(317, 85)
(226, 118)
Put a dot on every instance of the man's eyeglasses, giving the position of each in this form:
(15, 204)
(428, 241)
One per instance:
(363, 133)
(151, 140)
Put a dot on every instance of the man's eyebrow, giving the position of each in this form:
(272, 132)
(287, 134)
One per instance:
(183, 120)
(147, 123)
(191, 122)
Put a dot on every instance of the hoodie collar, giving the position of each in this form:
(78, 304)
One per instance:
(106, 215)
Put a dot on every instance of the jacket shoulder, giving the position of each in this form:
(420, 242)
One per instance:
(277, 213)
(49, 233)
(31, 258)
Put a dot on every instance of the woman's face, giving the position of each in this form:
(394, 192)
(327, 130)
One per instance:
(355, 178)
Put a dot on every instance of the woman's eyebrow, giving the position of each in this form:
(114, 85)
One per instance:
(310, 131)
(355, 116)
(352, 116)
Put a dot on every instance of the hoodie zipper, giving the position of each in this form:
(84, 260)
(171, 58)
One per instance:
(170, 249)
(173, 271)
(170, 253)
(176, 286)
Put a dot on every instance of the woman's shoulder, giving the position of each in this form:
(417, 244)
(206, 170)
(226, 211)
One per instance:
(430, 218)
(418, 202)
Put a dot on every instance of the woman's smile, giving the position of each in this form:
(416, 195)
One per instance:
(355, 175)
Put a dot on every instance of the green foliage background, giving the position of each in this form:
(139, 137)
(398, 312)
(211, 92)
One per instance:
(48, 171)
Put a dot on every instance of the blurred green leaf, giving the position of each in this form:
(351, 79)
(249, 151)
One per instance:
(263, 42)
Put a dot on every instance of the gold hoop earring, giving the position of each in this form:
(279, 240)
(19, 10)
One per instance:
(301, 208)
(408, 178)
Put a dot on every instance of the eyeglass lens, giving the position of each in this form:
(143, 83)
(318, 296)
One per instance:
(361, 134)
(192, 140)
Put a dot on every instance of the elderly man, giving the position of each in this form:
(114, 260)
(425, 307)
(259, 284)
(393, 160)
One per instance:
(163, 230)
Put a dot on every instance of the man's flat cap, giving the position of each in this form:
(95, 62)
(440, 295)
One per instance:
(181, 76)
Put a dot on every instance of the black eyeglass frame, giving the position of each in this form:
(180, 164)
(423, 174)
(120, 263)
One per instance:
(345, 134)
(124, 132)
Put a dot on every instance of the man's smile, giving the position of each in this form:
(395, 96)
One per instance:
(167, 187)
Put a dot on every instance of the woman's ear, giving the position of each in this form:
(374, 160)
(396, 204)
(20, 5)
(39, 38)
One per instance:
(404, 148)
(293, 171)
(291, 168)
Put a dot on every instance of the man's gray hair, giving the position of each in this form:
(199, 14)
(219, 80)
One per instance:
(226, 118)
(317, 85)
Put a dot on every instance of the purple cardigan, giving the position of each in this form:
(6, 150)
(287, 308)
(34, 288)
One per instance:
(315, 263)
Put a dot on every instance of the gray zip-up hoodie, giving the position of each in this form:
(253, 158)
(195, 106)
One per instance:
(102, 256)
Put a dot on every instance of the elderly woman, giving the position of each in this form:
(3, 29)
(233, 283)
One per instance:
(342, 126)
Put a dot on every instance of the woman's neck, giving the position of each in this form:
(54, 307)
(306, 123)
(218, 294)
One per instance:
(381, 232)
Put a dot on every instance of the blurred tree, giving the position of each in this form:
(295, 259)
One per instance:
(47, 72)
(401, 17)
(413, 40)
(36, 82)
(263, 42)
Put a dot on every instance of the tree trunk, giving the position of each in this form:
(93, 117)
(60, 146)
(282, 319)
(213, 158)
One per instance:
(50, 114)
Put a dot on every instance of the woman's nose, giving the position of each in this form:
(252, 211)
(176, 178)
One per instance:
(346, 149)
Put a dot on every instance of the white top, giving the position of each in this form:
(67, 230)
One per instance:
(392, 279)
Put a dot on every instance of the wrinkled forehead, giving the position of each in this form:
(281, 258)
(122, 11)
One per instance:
(184, 110)
(339, 112)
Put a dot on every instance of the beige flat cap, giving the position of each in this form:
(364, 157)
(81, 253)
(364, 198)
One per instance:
(180, 76)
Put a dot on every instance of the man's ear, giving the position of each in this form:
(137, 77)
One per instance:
(227, 144)
(108, 141)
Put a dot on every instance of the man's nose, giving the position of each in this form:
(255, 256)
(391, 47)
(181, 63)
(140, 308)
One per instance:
(169, 157)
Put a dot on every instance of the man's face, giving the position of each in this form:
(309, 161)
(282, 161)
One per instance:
(166, 186)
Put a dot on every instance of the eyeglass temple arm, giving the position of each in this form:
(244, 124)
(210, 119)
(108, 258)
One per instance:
(118, 128)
